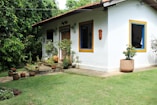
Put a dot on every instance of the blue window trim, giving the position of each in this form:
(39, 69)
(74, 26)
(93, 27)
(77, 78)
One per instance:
(144, 34)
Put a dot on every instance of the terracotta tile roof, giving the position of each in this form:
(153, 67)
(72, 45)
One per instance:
(105, 0)
(152, 3)
(75, 11)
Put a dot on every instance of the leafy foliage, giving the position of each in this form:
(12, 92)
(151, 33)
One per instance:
(154, 45)
(130, 52)
(6, 93)
(65, 45)
(33, 45)
(72, 4)
(49, 47)
(17, 17)
(12, 51)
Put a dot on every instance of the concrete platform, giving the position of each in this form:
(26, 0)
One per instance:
(104, 74)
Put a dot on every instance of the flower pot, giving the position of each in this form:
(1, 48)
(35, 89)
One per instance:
(10, 73)
(16, 92)
(66, 67)
(32, 73)
(15, 76)
(22, 75)
(55, 59)
(126, 65)
(13, 69)
(73, 65)
(53, 66)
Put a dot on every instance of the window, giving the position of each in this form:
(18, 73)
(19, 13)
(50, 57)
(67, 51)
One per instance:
(138, 35)
(86, 36)
(50, 35)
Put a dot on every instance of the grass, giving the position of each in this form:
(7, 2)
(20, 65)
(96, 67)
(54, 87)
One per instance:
(70, 89)
(3, 74)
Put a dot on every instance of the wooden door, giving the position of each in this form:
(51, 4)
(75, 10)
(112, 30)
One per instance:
(64, 35)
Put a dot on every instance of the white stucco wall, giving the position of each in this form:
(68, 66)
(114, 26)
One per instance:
(96, 60)
(118, 28)
(114, 23)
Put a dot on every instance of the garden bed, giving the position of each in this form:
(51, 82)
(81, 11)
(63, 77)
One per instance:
(7, 93)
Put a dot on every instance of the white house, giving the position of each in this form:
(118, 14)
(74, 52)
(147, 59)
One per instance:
(121, 22)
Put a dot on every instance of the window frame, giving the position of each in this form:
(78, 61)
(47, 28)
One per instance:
(48, 32)
(136, 22)
(84, 49)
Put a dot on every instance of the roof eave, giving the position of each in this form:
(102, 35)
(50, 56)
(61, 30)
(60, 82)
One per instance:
(75, 11)
(103, 3)
(152, 3)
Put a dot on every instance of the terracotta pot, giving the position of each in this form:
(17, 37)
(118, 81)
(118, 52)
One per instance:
(66, 67)
(69, 59)
(10, 73)
(16, 92)
(32, 73)
(13, 69)
(22, 75)
(53, 66)
(55, 58)
(126, 65)
(73, 65)
(15, 76)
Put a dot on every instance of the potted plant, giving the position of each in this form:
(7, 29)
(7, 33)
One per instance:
(65, 63)
(49, 47)
(73, 64)
(65, 46)
(13, 69)
(15, 76)
(55, 54)
(51, 50)
(22, 75)
(10, 73)
(32, 69)
(127, 64)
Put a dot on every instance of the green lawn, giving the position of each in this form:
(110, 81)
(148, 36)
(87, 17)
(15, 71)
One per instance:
(3, 74)
(70, 89)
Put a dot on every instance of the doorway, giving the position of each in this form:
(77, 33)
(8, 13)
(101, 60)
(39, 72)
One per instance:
(65, 34)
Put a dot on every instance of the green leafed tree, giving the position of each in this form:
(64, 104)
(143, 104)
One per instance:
(72, 4)
(17, 17)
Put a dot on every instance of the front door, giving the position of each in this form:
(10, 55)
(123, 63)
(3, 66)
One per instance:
(65, 34)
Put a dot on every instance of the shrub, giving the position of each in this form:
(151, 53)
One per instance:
(130, 52)
(6, 93)
(12, 51)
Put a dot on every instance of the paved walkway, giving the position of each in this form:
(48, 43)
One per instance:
(104, 74)
(80, 71)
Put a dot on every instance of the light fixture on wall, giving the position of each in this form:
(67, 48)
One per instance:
(141, 2)
(73, 27)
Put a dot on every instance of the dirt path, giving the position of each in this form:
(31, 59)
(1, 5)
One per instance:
(44, 70)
